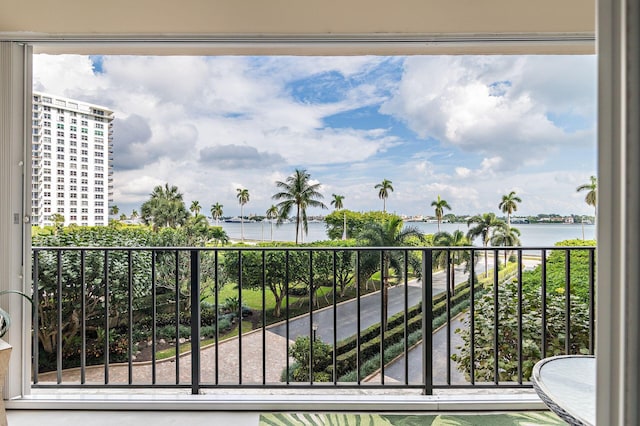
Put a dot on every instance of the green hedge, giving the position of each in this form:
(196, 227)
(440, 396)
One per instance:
(373, 331)
(370, 348)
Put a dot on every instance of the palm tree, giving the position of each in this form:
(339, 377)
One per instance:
(384, 189)
(509, 204)
(272, 213)
(218, 236)
(134, 214)
(243, 198)
(506, 237)
(165, 208)
(454, 257)
(337, 201)
(195, 207)
(592, 192)
(440, 205)
(299, 191)
(114, 210)
(484, 226)
(389, 233)
(196, 227)
(216, 211)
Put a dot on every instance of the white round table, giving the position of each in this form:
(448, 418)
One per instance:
(567, 385)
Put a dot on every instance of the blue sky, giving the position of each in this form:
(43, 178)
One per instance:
(467, 128)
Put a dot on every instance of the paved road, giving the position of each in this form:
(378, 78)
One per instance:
(396, 370)
(370, 308)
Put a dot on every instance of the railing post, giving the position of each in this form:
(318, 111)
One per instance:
(427, 322)
(195, 322)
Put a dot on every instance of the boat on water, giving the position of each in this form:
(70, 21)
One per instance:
(236, 219)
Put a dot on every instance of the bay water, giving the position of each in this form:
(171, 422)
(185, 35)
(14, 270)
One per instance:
(532, 235)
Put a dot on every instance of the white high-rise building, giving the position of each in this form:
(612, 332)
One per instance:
(71, 164)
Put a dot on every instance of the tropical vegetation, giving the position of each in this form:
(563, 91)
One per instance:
(242, 194)
(506, 237)
(592, 193)
(337, 201)
(384, 189)
(509, 204)
(216, 212)
(309, 278)
(484, 226)
(297, 190)
(195, 207)
(446, 258)
(272, 214)
(389, 233)
(356, 222)
(555, 337)
(165, 208)
(440, 205)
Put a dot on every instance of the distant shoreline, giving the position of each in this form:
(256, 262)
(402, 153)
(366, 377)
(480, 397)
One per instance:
(532, 234)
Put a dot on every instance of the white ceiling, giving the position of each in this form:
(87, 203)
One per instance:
(302, 26)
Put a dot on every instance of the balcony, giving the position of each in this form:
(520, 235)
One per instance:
(112, 319)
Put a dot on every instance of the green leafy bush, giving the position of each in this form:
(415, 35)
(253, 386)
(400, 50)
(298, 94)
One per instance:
(168, 332)
(484, 354)
(532, 342)
(322, 360)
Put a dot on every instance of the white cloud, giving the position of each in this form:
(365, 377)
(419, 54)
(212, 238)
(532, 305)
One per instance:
(211, 125)
(496, 106)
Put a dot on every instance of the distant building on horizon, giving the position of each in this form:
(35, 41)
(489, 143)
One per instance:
(72, 147)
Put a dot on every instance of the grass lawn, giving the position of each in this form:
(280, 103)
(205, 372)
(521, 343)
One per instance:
(252, 298)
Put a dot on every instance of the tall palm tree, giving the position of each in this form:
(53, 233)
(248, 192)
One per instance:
(195, 207)
(454, 257)
(165, 208)
(216, 211)
(243, 198)
(440, 205)
(389, 233)
(485, 225)
(385, 188)
(272, 213)
(299, 191)
(506, 237)
(114, 210)
(592, 192)
(337, 201)
(134, 214)
(509, 204)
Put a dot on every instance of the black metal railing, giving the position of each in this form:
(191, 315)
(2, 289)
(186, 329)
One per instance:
(410, 317)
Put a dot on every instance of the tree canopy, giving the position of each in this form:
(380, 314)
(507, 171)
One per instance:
(165, 208)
